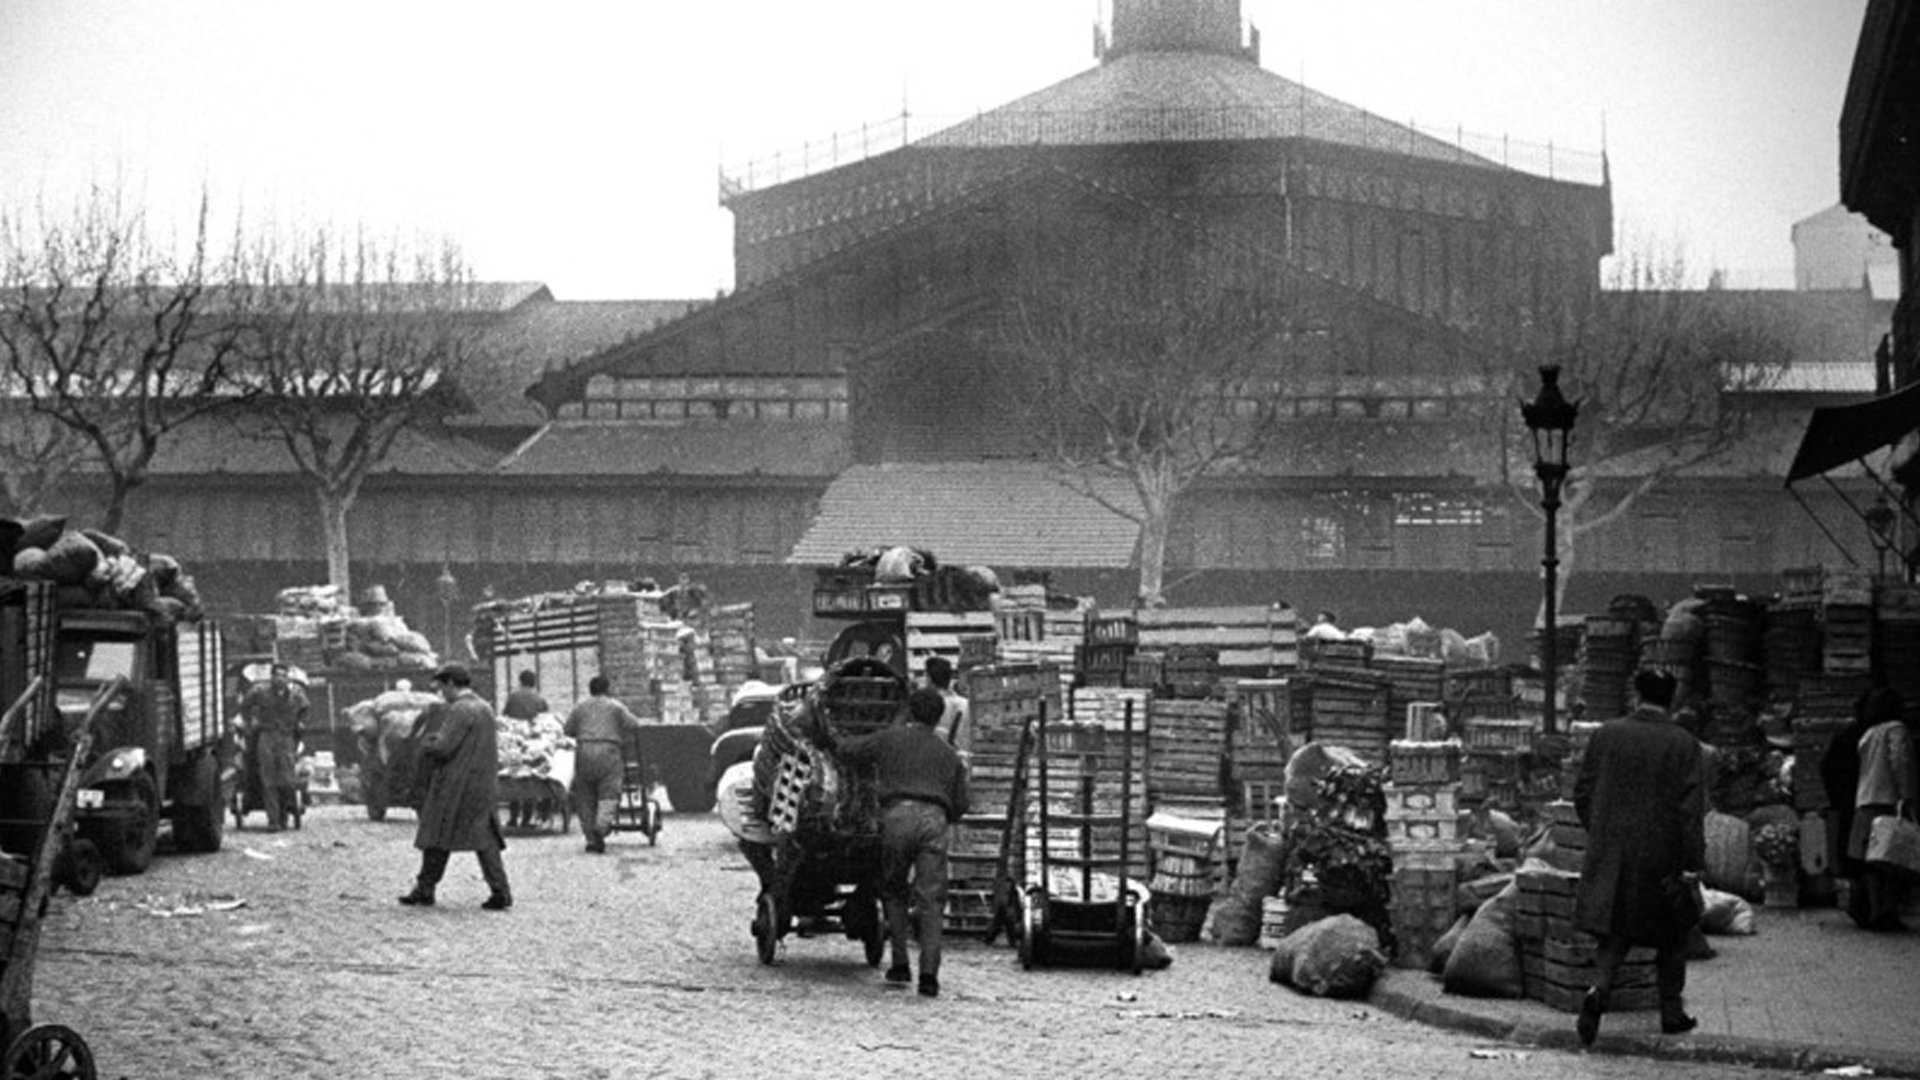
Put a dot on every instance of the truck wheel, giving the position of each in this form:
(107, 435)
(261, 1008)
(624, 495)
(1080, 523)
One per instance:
(79, 867)
(202, 827)
(127, 843)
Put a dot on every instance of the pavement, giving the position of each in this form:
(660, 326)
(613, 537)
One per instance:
(1808, 992)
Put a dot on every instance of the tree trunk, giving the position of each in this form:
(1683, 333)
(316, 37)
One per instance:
(333, 526)
(1155, 522)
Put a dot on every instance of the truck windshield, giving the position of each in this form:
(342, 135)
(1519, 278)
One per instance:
(93, 660)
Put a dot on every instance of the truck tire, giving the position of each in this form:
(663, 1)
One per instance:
(201, 828)
(127, 843)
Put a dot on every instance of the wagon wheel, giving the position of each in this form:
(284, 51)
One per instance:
(766, 927)
(1133, 940)
(46, 1052)
(650, 821)
(1033, 929)
(864, 921)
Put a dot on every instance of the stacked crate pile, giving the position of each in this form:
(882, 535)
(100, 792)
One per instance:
(1261, 734)
(1186, 754)
(1896, 640)
(1002, 701)
(1425, 836)
(1409, 680)
(730, 634)
(1479, 692)
(939, 633)
(1109, 641)
(1735, 683)
(1208, 643)
(1494, 766)
(665, 662)
(1040, 627)
(1846, 623)
(1790, 644)
(620, 615)
(1609, 652)
(1347, 702)
(1557, 962)
(1074, 757)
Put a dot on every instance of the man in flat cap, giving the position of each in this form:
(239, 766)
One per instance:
(459, 811)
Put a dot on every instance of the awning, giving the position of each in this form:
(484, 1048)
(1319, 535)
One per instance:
(1841, 434)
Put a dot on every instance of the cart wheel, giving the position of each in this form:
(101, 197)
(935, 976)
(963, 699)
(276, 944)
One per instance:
(1033, 931)
(80, 868)
(766, 927)
(47, 1051)
(1133, 940)
(868, 922)
(650, 818)
(127, 843)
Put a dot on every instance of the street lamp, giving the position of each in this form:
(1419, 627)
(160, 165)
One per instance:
(448, 589)
(1550, 418)
(1879, 518)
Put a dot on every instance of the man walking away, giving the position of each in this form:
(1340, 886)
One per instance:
(1641, 794)
(458, 813)
(599, 725)
(922, 787)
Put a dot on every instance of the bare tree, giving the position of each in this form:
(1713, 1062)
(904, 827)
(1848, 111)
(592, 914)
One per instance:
(1666, 378)
(351, 346)
(1145, 351)
(111, 337)
(38, 457)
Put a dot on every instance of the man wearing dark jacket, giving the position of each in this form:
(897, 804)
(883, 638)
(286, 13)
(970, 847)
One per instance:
(458, 813)
(1641, 794)
(922, 787)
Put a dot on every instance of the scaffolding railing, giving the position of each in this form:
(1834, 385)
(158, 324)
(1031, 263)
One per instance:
(1062, 127)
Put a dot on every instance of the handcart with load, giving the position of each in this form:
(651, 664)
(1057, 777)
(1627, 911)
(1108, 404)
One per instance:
(27, 879)
(810, 827)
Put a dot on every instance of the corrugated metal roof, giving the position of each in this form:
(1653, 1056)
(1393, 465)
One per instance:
(730, 448)
(1008, 515)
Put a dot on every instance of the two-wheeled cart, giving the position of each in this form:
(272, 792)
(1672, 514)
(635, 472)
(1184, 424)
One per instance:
(1057, 929)
(637, 811)
(26, 883)
(821, 873)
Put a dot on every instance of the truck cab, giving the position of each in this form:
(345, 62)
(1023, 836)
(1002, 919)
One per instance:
(158, 747)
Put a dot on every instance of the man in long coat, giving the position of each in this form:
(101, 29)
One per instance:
(275, 711)
(458, 814)
(1641, 794)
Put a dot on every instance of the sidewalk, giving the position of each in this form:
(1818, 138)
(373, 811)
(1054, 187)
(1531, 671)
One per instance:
(1810, 991)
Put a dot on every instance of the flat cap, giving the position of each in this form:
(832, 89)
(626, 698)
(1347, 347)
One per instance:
(457, 674)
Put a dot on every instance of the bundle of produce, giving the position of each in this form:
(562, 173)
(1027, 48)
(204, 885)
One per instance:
(313, 602)
(1338, 860)
(381, 643)
(99, 570)
(527, 747)
(390, 715)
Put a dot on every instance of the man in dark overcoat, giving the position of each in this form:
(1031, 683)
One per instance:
(458, 813)
(1641, 793)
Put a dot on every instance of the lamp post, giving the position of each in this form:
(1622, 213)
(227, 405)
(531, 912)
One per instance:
(1550, 416)
(1880, 518)
(448, 589)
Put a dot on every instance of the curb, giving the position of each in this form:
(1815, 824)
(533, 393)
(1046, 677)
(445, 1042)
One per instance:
(1720, 1049)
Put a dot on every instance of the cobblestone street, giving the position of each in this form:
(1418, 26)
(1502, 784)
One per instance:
(637, 964)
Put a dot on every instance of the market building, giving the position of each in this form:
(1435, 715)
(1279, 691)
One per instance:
(838, 396)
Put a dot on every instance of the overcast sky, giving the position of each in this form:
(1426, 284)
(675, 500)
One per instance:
(579, 143)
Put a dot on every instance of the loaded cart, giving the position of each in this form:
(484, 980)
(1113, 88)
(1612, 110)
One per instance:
(819, 866)
(27, 880)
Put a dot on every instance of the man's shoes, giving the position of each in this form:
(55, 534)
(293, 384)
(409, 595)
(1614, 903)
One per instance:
(1677, 1024)
(497, 902)
(929, 985)
(418, 898)
(1588, 1024)
(899, 973)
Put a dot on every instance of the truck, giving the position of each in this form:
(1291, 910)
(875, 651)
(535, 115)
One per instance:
(160, 749)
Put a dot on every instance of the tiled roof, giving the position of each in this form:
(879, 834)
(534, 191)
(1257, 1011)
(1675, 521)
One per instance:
(730, 448)
(537, 337)
(1004, 515)
(215, 449)
(1147, 97)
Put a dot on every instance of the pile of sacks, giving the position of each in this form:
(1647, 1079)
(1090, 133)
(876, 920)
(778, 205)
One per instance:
(382, 643)
(93, 569)
(384, 721)
(1417, 638)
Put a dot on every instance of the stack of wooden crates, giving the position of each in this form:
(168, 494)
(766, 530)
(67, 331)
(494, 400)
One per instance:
(1557, 962)
(1424, 833)
(1002, 699)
